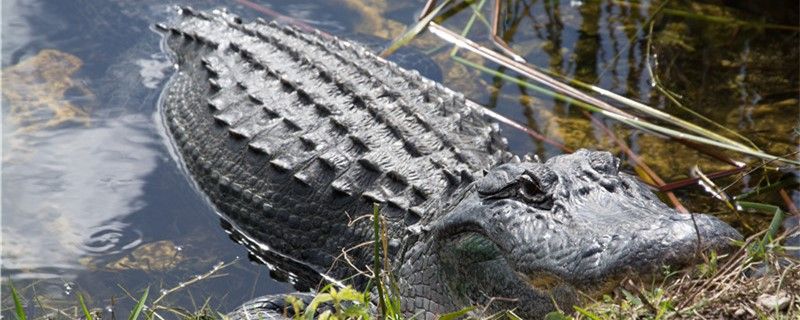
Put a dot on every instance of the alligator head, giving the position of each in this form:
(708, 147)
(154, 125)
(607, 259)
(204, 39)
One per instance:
(529, 234)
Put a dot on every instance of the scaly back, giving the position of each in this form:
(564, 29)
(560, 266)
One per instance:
(292, 134)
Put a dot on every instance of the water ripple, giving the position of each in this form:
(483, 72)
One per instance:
(112, 238)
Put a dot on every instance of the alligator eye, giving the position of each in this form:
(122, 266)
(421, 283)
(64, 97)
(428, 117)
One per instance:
(528, 188)
(531, 191)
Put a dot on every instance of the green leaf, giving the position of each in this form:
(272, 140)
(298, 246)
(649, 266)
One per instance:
(356, 312)
(586, 313)
(84, 308)
(760, 248)
(556, 315)
(139, 305)
(297, 305)
(19, 310)
(456, 314)
(632, 299)
(350, 294)
(312, 307)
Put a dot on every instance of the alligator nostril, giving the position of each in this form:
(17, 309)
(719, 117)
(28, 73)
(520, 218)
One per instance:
(604, 162)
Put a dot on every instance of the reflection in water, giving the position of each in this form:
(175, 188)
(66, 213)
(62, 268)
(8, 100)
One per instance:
(17, 32)
(110, 238)
(153, 70)
(584, 63)
(73, 185)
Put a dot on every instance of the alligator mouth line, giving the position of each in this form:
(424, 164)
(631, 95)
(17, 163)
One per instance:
(546, 282)
(625, 280)
(543, 281)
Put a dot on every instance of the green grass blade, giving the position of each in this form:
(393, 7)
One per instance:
(376, 264)
(586, 313)
(556, 315)
(759, 248)
(456, 314)
(139, 306)
(84, 308)
(19, 310)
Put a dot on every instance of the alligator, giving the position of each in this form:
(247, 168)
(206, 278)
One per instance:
(294, 135)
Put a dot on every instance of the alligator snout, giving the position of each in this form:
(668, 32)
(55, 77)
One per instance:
(690, 234)
(673, 239)
(707, 231)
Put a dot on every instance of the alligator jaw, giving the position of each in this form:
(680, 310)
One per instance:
(672, 240)
(601, 262)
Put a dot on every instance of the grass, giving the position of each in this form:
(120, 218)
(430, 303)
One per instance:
(148, 310)
(21, 314)
(711, 298)
(716, 289)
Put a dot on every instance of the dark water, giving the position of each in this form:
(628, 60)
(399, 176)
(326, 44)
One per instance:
(94, 203)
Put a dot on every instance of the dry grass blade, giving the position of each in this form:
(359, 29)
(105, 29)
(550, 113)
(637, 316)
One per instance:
(215, 269)
(413, 31)
(691, 181)
(515, 125)
(788, 201)
(711, 187)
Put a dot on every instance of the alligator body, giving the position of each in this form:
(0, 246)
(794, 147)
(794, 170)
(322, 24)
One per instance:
(293, 135)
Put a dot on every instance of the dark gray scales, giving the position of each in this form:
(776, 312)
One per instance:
(276, 113)
(294, 135)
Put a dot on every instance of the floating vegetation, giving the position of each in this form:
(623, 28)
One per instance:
(37, 90)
